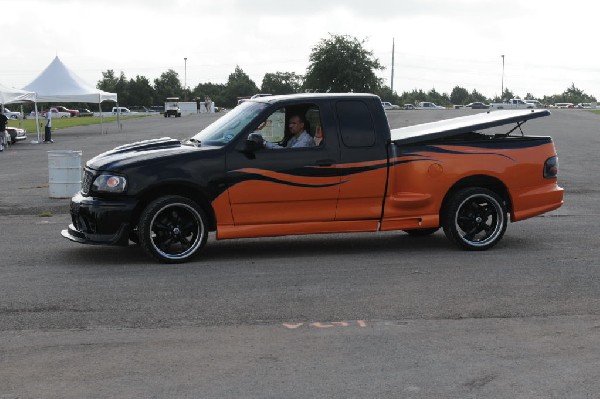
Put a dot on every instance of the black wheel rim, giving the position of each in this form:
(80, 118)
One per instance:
(176, 231)
(479, 220)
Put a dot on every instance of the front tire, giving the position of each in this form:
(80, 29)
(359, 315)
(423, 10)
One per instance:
(173, 229)
(475, 219)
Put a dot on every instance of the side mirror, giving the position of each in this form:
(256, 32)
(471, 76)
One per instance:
(254, 142)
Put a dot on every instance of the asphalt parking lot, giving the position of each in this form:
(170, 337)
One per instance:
(356, 315)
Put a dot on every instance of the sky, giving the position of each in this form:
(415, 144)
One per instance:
(548, 45)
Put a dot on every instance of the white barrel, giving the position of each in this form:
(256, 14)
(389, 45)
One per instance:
(64, 173)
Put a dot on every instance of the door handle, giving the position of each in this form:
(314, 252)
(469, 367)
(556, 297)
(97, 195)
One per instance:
(325, 162)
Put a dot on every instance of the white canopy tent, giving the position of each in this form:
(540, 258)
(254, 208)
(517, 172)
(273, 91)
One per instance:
(10, 95)
(57, 83)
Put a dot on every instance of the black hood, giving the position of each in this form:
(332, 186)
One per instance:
(139, 152)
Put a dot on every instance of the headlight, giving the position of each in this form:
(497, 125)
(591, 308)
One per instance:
(110, 183)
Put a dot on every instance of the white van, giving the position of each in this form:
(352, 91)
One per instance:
(120, 110)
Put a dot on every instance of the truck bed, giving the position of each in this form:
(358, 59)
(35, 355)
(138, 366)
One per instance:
(463, 125)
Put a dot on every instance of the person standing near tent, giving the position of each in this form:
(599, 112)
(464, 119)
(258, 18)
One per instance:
(48, 130)
(3, 134)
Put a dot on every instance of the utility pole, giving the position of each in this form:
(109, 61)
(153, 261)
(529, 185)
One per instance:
(185, 78)
(502, 92)
(392, 79)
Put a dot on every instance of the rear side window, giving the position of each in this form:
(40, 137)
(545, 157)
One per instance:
(356, 124)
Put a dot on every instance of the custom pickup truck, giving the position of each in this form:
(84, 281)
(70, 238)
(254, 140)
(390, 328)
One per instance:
(514, 103)
(167, 194)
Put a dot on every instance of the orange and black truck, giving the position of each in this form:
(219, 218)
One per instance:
(468, 175)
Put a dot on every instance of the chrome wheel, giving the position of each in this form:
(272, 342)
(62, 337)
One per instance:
(172, 229)
(475, 219)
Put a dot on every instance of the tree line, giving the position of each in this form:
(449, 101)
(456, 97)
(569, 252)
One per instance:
(339, 63)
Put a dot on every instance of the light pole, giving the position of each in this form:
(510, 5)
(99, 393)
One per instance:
(185, 75)
(502, 92)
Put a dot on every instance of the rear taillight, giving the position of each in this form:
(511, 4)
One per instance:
(551, 167)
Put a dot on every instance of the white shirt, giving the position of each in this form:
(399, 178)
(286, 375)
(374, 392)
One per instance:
(49, 118)
(302, 140)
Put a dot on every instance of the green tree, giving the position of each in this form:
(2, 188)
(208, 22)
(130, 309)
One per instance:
(571, 95)
(141, 92)
(239, 84)
(341, 64)
(438, 98)
(459, 95)
(507, 95)
(476, 96)
(413, 97)
(108, 82)
(122, 90)
(167, 85)
(112, 84)
(216, 92)
(281, 83)
(386, 94)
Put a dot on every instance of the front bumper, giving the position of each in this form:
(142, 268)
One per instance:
(100, 221)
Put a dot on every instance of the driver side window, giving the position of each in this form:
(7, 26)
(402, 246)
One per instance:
(291, 127)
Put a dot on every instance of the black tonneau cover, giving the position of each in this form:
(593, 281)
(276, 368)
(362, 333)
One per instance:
(463, 124)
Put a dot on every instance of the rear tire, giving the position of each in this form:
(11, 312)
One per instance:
(173, 229)
(475, 219)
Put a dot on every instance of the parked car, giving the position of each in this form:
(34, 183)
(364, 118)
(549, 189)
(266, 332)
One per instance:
(388, 105)
(513, 103)
(429, 105)
(12, 115)
(157, 108)
(584, 105)
(409, 106)
(120, 110)
(477, 105)
(535, 103)
(73, 112)
(85, 112)
(57, 114)
(16, 134)
(138, 108)
(564, 105)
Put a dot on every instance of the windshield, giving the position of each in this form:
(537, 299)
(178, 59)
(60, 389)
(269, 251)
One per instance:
(226, 128)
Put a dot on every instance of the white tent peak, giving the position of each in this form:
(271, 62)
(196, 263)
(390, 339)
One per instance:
(57, 83)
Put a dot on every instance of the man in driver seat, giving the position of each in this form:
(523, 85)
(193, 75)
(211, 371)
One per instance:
(300, 137)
